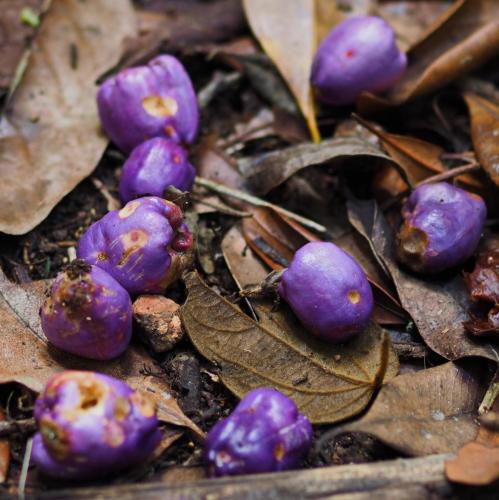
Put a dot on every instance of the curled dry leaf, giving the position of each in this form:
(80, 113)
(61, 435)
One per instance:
(427, 412)
(49, 135)
(484, 116)
(438, 306)
(292, 44)
(4, 454)
(267, 171)
(27, 358)
(327, 382)
(461, 40)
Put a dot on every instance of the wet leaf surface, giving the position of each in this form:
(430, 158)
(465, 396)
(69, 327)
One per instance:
(55, 105)
(28, 359)
(462, 39)
(267, 171)
(484, 116)
(431, 411)
(328, 383)
(438, 306)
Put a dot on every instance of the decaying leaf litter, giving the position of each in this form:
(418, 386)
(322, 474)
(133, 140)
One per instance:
(347, 189)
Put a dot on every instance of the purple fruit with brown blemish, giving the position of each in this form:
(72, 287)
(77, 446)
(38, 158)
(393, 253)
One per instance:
(87, 313)
(91, 425)
(265, 433)
(328, 291)
(153, 167)
(144, 246)
(442, 227)
(156, 100)
(359, 54)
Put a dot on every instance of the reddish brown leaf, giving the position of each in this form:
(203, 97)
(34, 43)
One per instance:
(49, 136)
(484, 132)
(465, 37)
(28, 359)
(4, 454)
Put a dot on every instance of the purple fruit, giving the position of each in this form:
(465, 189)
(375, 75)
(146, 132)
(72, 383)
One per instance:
(359, 54)
(154, 166)
(88, 313)
(328, 291)
(265, 433)
(144, 246)
(156, 100)
(442, 227)
(91, 425)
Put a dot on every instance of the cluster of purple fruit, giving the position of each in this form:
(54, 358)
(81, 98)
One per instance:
(91, 424)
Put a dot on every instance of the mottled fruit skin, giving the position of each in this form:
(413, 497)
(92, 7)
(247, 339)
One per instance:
(265, 433)
(156, 100)
(87, 313)
(359, 54)
(442, 227)
(144, 246)
(152, 167)
(328, 291)
(91, 425)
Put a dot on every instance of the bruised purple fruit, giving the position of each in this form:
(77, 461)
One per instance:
(91, 425)
(144, 246)
(154, 166)
(87, 313)
(156, 100)
(442, 227)
(265, 433)
(358, 55)
(328, 291)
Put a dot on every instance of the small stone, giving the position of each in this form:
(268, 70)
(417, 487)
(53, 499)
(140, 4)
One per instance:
(158, 319)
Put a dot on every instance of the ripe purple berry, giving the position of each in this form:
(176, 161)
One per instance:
(442, 227)
(156, 100)
(91, 425)
(359, 54)
(88, 313)
(265, 433)
(328, 291)
(144, 246)
(152, 167)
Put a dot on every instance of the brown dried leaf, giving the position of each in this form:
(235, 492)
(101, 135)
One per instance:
(437, 306)
(4, 454)
(292, 44)
(465, 37)
(484, 116)
(28, 359)
(267, 171)
(427, 412)
(327, 382)
(49, 136)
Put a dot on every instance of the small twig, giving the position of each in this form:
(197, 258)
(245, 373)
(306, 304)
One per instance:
(112, 202)
(450, 174)
(24, 426)
(248, 133)
(24, 470)
(490, 396)
(224, 210)
(267, 287)
(258, 202)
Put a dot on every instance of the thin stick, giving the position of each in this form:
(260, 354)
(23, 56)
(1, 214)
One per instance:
(24, 470)
(224, 210)
(258, 202)
(450, 174)
(9, 427)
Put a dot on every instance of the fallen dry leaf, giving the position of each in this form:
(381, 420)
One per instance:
(477, 463)
(292, 44)
(461, 40)
(28, 359)
(268, 170)
(484, 116)
(427, 412)
(437, 306)
(49, 135)
(4, 454)
(14, 35)
(327, 382)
